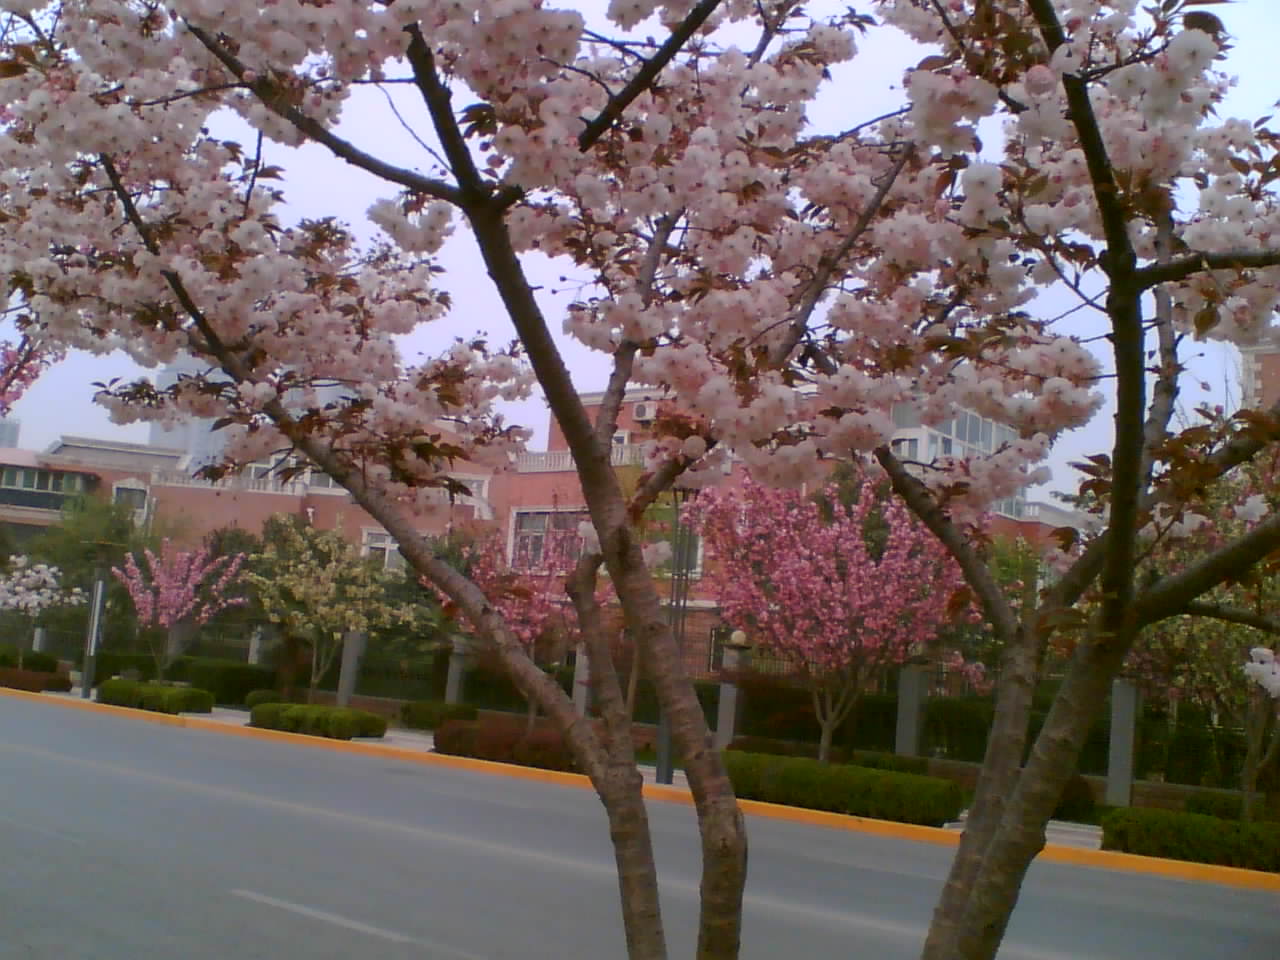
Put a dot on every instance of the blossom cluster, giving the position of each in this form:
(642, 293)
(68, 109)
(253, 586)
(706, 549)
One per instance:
(1264, 670)
(32, 588)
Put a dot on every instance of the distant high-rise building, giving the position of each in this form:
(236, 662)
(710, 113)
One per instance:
(9, 432)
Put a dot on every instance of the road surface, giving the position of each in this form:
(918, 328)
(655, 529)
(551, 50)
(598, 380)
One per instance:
(123, 839)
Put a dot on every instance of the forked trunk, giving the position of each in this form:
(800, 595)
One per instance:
(999, 773)
(1020, 833)
(633, 853)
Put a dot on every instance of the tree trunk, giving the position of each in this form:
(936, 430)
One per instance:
(1020, 833)
(531, 716)
(1255, 731)
(824, 740)
(633, 853)
(1000, 765)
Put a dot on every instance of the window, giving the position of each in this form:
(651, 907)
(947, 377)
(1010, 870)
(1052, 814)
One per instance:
(131, 497)
(539, 533)
(620, 438)
(383, 549)
(317, 478)
(907, 449)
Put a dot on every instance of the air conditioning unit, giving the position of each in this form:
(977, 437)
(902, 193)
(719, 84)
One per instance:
(644, 412)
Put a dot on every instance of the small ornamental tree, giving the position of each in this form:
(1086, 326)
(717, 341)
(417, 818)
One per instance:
(843, 592)
(29, 589)
(317, 588)
(179, 590)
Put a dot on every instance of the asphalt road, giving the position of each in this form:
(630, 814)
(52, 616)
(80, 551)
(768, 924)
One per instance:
(124, 840)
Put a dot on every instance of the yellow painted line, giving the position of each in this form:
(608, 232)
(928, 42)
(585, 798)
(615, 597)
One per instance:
(1052, 853)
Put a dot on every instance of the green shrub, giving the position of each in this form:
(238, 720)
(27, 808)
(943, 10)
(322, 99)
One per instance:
(255, 697)
(430, 714)
(1077, 803)
(157, 697)
(31, 659)
(1193, 837)
(879, 760)
(108, 664)
(504, 742)
(268, 715)
(336, 723)
(33, 681)
(883, 794)
(120, 693)
(1224, 806)
(230, 681)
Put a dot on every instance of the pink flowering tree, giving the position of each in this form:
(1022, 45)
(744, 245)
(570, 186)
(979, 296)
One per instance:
(178, 590)
(794, 280)
(842, 597)
(530, 592)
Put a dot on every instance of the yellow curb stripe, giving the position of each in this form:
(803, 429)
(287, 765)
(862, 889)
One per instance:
(1053, 853)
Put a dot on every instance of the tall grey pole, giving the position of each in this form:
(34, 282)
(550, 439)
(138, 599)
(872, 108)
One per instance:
(94, 635)
(677, 609)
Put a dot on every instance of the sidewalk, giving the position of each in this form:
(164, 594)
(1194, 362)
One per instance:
(1084, 836)
(397, 737)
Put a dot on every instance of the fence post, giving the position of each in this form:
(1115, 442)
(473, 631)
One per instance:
(458, 663)
(1124, 723)
(39, 640)
(913, 687)
(581, 681)
(352, 649)
(255, 645)
(737, 657)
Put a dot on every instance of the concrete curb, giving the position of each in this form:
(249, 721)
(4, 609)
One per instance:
(1052, 853)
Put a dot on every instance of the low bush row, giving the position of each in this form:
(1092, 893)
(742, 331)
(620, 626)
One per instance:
(872, 759)
(31, 659)
(337, 723)
(1194, 837)
(35, 681)
(432, 714)
(230, 681)
(863, 792)
(504, 742)
(162, 698)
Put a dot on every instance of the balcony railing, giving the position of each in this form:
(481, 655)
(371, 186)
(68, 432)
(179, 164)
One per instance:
(561, 461)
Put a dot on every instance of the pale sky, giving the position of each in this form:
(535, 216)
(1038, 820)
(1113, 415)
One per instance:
(316, 185)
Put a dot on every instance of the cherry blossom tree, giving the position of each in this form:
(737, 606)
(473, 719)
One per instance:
(843, 597)
(790, 288)
(179, 590)
(29, 589)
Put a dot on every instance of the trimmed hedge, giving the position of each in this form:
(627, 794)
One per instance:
(255, 697)
(504, 743)
(230, 681)
(871, 759)
(157, 697)
(1193, 837)
(33, 681)
(882, 794)
(430, 714)
(33, 660)
(336, 723)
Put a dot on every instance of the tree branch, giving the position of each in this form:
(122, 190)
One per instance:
(1170, 595)
(439, 103)
(1193, 263)
(1240, 615)
(343, 149)
(976, 573)
(645, 76)
(624, 357)
(799, 322)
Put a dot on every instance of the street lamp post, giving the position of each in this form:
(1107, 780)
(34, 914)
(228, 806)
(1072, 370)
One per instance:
(682, 542)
